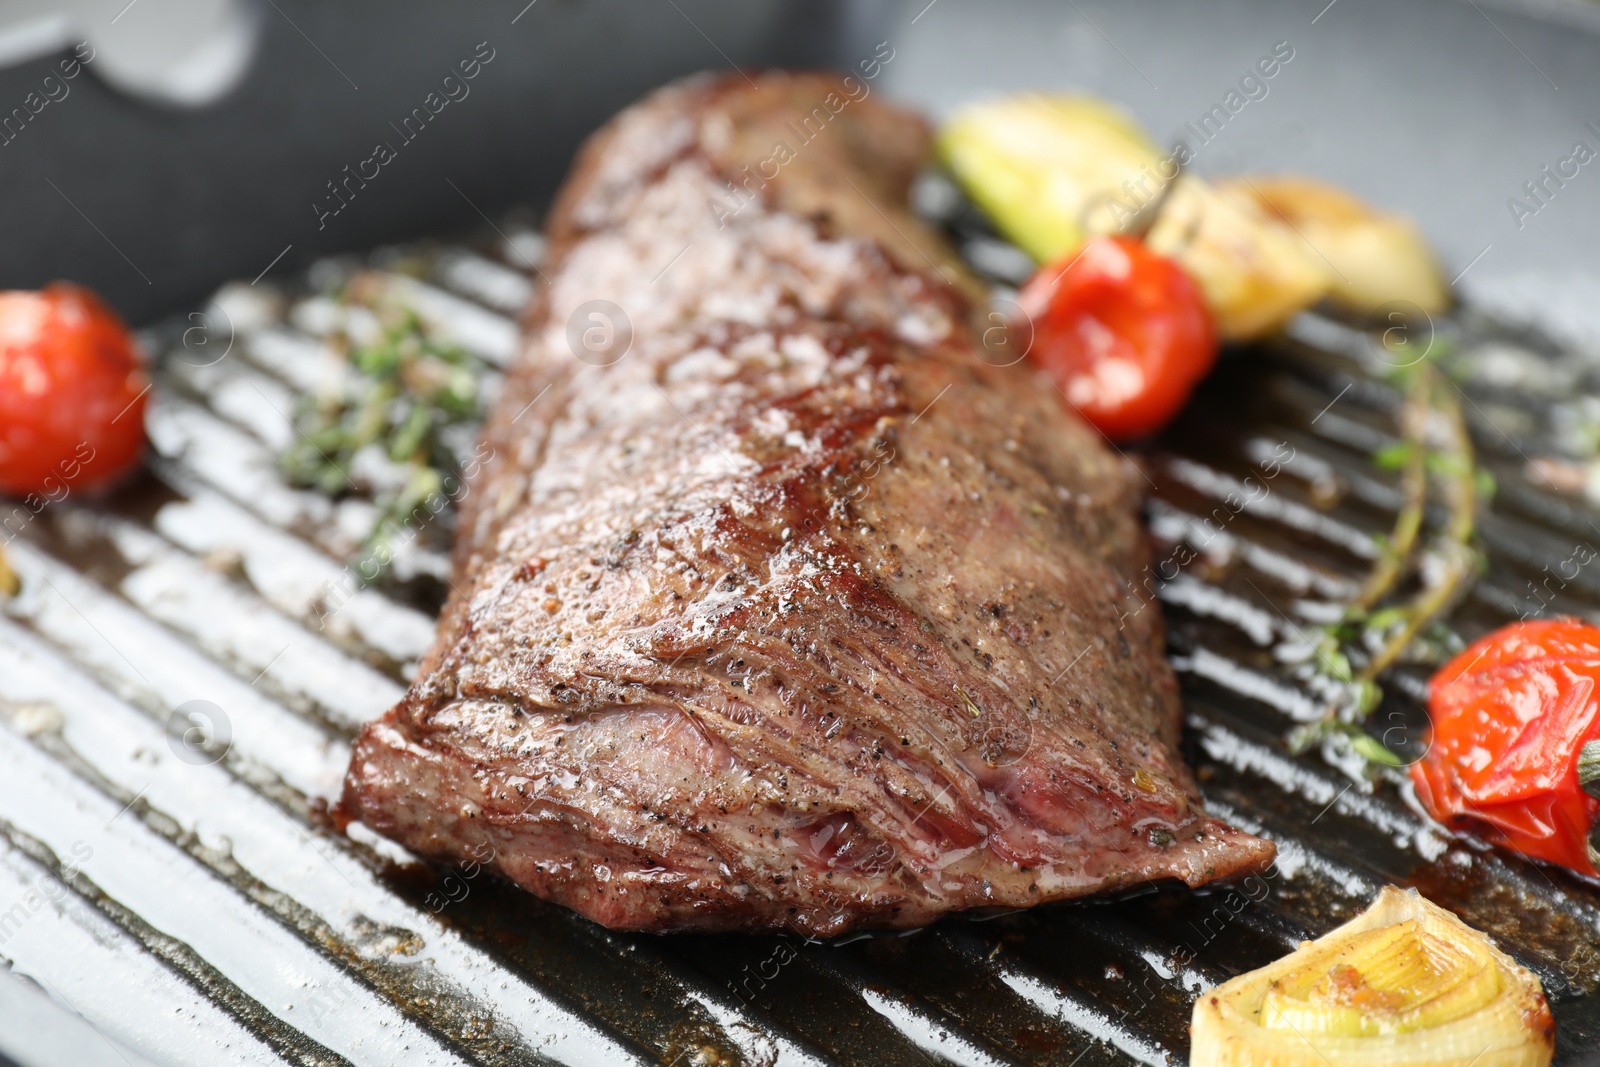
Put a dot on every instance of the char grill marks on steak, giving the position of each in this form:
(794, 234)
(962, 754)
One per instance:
(780, 608)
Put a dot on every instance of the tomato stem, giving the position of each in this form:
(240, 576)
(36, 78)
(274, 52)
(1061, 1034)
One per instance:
(1589, 768)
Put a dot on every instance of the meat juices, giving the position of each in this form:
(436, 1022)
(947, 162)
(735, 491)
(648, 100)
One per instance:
(778, 607)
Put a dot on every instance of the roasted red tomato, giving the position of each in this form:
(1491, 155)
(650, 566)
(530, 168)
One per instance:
(1124, 332)
(1511, 718)
(71, 392)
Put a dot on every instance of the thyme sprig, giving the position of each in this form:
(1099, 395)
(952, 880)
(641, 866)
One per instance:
(1435, 452)
(408, 388)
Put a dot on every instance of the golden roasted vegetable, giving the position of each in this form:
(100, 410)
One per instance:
(1256, 272)
(1404, 984)
(1042, 166)
(1376, 258)
(1052, 170)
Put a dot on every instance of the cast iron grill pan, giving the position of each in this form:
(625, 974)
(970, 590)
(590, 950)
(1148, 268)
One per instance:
(197, 908)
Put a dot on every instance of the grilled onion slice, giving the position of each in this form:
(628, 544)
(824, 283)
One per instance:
(1404, 984)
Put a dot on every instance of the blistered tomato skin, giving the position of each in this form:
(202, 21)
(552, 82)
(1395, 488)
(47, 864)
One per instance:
(72, 393)
(1124, 332)
(1510, 716)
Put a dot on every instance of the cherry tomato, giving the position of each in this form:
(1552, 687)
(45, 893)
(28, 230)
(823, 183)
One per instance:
(71, 392)
(1511, 715)
(1123, 331)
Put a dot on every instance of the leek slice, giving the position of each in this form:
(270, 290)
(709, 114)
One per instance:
(1404, 984)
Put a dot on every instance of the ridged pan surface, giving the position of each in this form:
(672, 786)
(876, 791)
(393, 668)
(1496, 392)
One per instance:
(195, 906)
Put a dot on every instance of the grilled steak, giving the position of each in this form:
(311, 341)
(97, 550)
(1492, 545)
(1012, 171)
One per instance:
(778, 606)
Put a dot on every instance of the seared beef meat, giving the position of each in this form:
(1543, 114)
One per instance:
(777, 605)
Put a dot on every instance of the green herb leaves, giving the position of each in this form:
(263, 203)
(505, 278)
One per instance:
(407, 389)
(1435, 461)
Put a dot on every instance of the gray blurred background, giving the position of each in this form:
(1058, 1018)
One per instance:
(196, 142)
